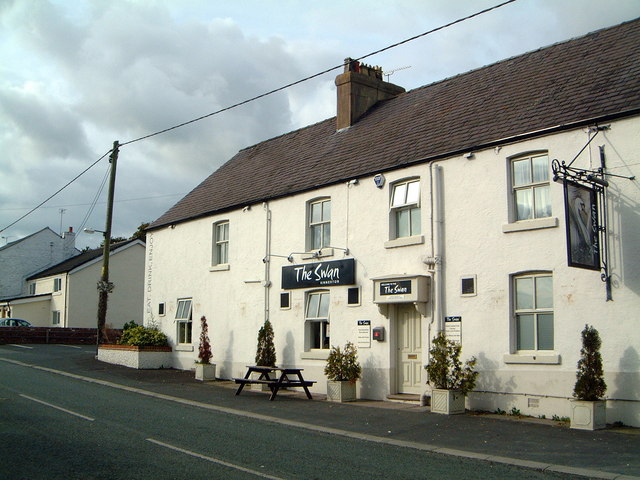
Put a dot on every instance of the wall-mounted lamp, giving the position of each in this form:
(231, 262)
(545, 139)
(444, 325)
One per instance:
(352, 182)
(247, 208)
(469, 156)
(267, 258)
(345, 250)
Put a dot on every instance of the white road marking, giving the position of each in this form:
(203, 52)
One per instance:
(57, 408)
(19, 346)
(69, 346)
(214, 460)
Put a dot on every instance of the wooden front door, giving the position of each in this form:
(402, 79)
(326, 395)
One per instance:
(409, 348)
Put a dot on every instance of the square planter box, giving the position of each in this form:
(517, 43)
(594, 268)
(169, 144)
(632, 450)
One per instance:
(343, 391)
(448, 402)
(205, 372)
(136, 357)
(588, 415)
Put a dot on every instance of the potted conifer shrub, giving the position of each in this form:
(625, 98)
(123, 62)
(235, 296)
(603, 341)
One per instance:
(342, 371)
(449, 378)
(588, 410)
(205, 370)
(265, 352)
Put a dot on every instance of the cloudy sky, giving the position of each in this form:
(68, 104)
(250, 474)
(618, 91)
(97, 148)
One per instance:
(76, 75)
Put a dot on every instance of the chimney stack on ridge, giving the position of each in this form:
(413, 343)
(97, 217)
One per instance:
(360, 87)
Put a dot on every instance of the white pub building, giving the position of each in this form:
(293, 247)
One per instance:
(500, 206)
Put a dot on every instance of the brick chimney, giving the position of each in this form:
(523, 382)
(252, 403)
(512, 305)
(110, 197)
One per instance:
(360, 87)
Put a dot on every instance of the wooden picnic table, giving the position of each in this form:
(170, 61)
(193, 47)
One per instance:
(275, 378)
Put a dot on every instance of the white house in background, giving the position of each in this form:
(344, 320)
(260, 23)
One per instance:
(31, 254)
(438, 209)
(66, 295)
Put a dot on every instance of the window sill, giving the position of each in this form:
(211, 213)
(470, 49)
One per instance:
(223, 267)
(315, 355)
(532, 358)
(404, 241)
(524, 225)
(184, 348)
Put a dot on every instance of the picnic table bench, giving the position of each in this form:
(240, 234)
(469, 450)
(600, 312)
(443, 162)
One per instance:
(280, 379)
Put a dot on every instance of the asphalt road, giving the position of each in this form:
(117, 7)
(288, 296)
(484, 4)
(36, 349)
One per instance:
(59, 427)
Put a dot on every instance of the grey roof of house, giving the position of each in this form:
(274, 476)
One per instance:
(77, 261)
(594, 78)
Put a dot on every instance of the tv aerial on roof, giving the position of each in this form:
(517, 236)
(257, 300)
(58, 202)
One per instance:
(391, 72)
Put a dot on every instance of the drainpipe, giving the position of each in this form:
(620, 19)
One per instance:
(267, 255)
(435, 260)
(438, 248)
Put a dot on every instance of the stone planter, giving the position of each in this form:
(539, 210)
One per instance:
(587, 415)
(447, 402)
(136, 357)
(205, 372)
(341, 391)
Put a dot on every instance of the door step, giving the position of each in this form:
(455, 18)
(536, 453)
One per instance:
(404, 398)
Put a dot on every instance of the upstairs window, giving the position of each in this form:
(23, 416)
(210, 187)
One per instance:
(530, 183)
(57, 284)
(220, 243)
(317, 321)
(533, 312)
(319, 228)
(405, 209)
(183, 320)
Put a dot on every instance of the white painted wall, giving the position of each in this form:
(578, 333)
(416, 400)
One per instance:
(19, 260)
(126, 271)
(476, 209)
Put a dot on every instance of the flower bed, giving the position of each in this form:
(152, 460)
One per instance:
(136, 357)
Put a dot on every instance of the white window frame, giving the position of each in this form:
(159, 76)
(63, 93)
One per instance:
(405, 200)
(530, 186)
(323, 223)
(57, 284)
(32, 288)
(317, 319)
(535, 310)
(184, 332)
(55, 317)
(220, 253)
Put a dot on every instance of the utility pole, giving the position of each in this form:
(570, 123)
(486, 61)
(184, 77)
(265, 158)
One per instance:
(104, 286)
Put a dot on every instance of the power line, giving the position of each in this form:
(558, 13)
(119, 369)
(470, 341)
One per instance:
(271, 92)
(310, 77)
(56, 193)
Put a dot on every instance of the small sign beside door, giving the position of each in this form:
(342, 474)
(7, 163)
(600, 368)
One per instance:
(364, 334)
(453, 328)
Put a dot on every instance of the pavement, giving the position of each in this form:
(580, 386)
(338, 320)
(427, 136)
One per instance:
(539, 444)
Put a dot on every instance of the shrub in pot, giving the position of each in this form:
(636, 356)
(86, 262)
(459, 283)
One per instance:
(205, 370)
(449, 378)
(588, 410)
(342, 371)
(265, 352)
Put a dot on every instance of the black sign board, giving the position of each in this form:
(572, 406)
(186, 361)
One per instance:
(581, 212)
(400, 287)
(320, 274)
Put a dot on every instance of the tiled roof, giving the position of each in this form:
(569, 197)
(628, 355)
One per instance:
(580, 81)
(78, 260)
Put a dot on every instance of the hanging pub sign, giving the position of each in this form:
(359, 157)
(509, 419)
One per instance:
(581, 214)
(320, 274)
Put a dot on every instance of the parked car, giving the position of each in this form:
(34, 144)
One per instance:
(14, 322)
